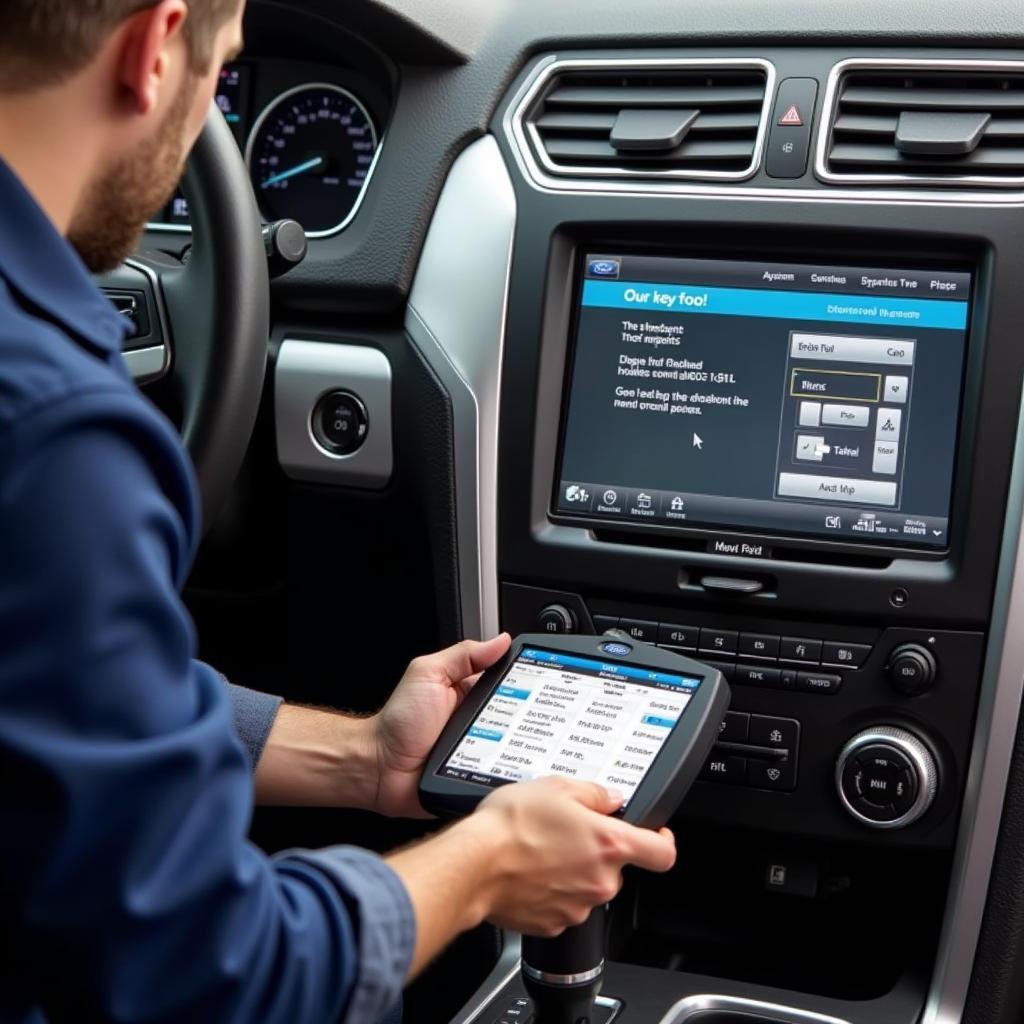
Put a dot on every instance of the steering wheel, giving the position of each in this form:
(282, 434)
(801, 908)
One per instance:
(203, 325)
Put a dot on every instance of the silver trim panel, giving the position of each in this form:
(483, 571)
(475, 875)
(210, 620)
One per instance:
(146, 364)
(638, 64)
(305, 372)
(538, 178)
(456, 318)
(995, 733)
(831, 103)
(691, 1006)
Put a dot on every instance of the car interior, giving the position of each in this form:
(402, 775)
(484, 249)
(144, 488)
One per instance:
(695, 322)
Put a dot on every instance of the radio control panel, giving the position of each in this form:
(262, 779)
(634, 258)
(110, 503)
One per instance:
(791, 754)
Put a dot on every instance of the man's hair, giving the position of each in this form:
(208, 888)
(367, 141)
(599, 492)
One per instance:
(43, 42)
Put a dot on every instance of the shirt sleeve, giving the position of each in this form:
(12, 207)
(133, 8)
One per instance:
(130, 885)
(253, 713)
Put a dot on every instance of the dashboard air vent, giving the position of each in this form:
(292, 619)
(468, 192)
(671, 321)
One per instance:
(650, 120)
(950, 124)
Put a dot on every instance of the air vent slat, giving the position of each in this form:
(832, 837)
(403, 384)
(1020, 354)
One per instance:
(581, 122)
(873, 103)
(573, 115)
(866, 124)
(861, 124)
(889, 156)
(915, 98)
(618, 97)
(576, 121)
(590, 149)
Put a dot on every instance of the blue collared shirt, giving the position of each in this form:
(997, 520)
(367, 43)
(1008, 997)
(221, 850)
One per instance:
(128, 888)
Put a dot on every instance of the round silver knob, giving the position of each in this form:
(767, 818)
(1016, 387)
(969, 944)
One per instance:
(886, 777)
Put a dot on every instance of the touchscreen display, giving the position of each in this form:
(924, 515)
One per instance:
(563, 714)
(789, 398)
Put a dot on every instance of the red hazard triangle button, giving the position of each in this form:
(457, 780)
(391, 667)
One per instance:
(792, 117)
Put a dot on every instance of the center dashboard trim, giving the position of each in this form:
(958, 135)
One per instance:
(456, 318)
(991, 756)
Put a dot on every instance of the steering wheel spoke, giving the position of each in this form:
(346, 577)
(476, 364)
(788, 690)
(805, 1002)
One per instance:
(134, 288)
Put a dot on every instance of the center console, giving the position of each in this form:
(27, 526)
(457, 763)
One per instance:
(771, 427)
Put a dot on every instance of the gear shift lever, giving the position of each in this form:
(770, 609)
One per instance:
(563, 975)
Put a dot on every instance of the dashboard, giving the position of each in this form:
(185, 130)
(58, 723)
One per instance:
(700, 322)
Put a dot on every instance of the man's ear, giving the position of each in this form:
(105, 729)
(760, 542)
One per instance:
(150, 42)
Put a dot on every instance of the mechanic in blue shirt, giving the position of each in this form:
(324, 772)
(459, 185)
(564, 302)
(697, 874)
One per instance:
(128, 887)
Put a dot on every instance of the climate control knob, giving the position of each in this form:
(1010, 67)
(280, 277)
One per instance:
(886, 777)
(912, 669)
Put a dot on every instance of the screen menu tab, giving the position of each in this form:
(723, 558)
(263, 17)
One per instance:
(801, 399)
(562, 714)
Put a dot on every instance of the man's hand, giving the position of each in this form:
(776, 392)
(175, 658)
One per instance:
(562, 855)
(535, 857)
(406, 729)
(316, 757)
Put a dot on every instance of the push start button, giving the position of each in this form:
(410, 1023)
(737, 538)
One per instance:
(340, 423)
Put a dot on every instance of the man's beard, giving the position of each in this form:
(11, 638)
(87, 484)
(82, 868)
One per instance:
(110, 220)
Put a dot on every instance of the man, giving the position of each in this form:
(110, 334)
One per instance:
(129, 889)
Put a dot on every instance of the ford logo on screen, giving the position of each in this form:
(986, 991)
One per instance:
(604, 268)
(619, 650)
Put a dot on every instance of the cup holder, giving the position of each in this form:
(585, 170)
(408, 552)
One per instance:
(734, 1010)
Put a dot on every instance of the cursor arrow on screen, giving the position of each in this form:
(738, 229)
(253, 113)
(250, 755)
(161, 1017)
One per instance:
(698, 442)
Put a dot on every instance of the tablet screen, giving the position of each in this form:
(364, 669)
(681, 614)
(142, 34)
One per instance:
(554, 713)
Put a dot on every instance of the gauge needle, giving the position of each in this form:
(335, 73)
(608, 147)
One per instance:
(301, 169)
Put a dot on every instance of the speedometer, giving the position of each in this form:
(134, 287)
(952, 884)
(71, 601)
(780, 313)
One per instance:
(310, 156)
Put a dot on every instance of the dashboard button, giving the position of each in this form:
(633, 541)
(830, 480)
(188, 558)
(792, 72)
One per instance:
(912, 669)
(727, 668)
(852, 779)
(759, 645)
(818, 682)
(556, 619)
(874, 812)
(683, 637)
(718, 641)
(797, 649)
(735, 727)
(840, 655)
(787, 678)
(779, 775)
(340, 423)
(789, 140)
(757, 675)
(640, 629)
(878, 783)
(602, 623)
(780, 733)
(725, 769)
(905, 793)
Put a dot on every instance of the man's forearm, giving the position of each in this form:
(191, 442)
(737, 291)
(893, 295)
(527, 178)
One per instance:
(318, 758)
(448, 879)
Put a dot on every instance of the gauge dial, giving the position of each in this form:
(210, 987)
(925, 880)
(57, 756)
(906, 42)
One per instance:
(310, 156)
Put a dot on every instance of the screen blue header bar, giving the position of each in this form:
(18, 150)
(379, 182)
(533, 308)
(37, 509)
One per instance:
(625, 672)
(780, 305)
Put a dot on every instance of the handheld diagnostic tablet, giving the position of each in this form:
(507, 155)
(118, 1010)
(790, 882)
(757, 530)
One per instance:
(627, 715)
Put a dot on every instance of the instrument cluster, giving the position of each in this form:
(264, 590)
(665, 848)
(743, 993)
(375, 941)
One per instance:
(310, 137)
